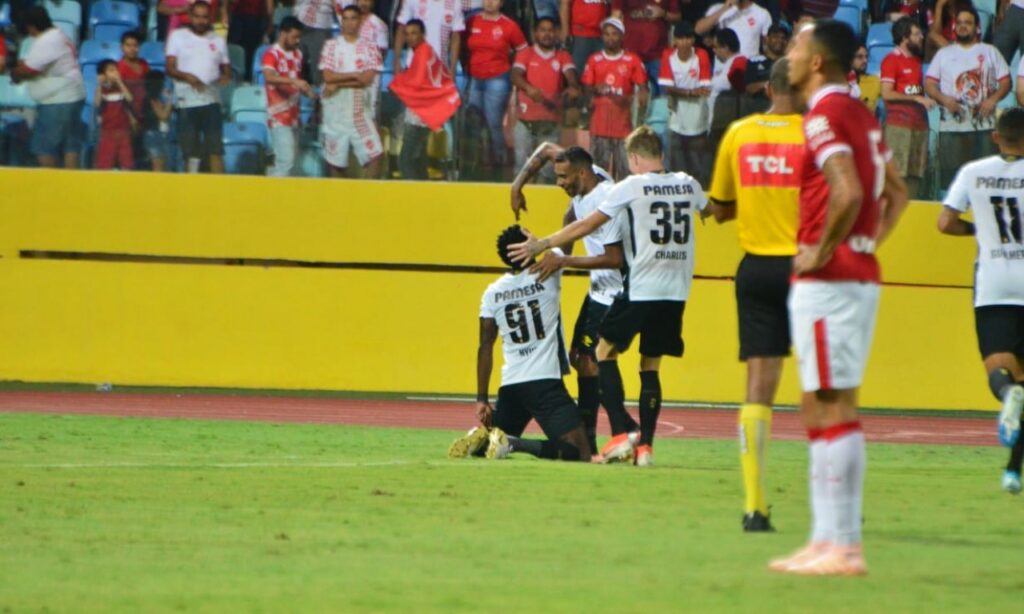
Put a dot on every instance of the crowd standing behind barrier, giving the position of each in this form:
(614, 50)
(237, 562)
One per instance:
(239, 86)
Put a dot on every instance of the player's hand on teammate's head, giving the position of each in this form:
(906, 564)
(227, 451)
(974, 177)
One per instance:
(484, 413)
(523, 253)
(547, 266)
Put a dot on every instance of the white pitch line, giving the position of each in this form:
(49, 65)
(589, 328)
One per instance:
(263, 465)
(676, 429)
(674, 404)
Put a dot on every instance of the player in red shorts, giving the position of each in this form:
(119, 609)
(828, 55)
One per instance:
(851, 196)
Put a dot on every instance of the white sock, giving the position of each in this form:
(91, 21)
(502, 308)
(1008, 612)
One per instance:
(847, 459)
(821, 512)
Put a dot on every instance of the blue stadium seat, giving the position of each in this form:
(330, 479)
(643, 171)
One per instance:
(91, 82)
(880, 34)
(5, 15)
(257, 64)
(243, 148)
(657, 115)
(311, 161)
(65, 10)
(306, 108)
(153, 53)
(248, 104)
(860, 4)
(69, 29)
(111, 32)
(112, 12)
(850, 15)
(877, 53)
(93, 52)
(14, 96)
(236, 55)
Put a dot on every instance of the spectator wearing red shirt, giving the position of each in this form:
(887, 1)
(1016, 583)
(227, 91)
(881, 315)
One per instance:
(611, 78)
(133, 70)
(492, 39)
(282, 67)
(581, 22)
(646, 24)
(248, 24)
(113, 105)
(906, 127)
(544, 77)
(3, 54)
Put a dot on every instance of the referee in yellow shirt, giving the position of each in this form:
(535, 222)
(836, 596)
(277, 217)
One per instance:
(755, 181)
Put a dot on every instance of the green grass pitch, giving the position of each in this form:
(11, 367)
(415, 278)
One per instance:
(143, 515)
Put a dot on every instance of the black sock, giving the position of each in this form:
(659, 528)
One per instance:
(545, 448)
(1017, 455)
(612, 396)
(650, 405)
(532, 447)
(999, 380)
(590, 400)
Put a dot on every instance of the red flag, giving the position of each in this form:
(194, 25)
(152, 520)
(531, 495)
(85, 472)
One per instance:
(427, 88)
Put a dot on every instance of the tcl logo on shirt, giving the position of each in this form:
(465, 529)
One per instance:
(770, 164)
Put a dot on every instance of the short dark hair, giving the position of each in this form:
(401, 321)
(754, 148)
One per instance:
(778, 28)
(727, 38)
(576, 156)
(967, 8)
(838, 42)
(902, 28)
(102, 66)
(509, 236)
(132, 34)
(37, 17)
(554, 22)
(418, 23)
(778, 79)
(289, 23)
(1010, 126)
(351, 7)
(199, 3)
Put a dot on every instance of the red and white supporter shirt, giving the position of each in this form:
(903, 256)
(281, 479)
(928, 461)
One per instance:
(317, 14)
(585, 17)
(341, 56)
(689, 116)
(442, 18)
(282, 100)
(621, 74)
(750, 25)
(545, 71)
(969, 74)
(837, 123)
(372, 28)
(490, 42)
(904, 72)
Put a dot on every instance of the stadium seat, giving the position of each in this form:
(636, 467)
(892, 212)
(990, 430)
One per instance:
(236, 55)
(69, 29)
(65, 10)
(657, 116)
(91, 80)
(985, 19)
(14, 96)
(111, 32)
(257, 64)
(243, 148)
(5, 15)
(93, 52)
(306, 108)
(860, 4)
(112, 12)
(153, 53)
(989, 6)
(248, 104)
(876, 54)
(879, 34)
(311, 161)
(850, 15)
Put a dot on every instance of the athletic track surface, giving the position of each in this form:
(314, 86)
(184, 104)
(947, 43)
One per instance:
(700, 423)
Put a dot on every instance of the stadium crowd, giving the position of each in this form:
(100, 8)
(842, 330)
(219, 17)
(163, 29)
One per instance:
(443, 89)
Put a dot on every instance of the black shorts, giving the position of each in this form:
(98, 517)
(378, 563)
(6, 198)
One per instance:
(201, 131)
(659, 324)
(1000, 329)
(546, 401)
(762, 289)
(586, 332)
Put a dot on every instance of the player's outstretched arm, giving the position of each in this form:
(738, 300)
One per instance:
(612, 258)
(484, 366)
(895, 197)
(544, 153)
(844, 199)
(950, 223)
(522, 253)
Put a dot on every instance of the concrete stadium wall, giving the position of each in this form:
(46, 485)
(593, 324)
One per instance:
(344, 326)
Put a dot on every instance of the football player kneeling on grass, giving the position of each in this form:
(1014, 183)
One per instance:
(526, 312)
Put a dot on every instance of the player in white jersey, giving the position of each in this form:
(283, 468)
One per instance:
(526, 312)
(587, 185)
(657, 230)
(994, 188)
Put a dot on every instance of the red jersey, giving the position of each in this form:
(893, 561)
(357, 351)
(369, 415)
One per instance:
(611, 118)
(904, 73)
(113, 109)
(546, 72)
(585, 17)
(836, 123)
(134, 78)
(490, 42)
(282, 100)
(645, 36)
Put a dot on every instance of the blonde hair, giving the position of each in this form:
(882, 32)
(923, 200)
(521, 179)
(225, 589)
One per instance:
(644, 142)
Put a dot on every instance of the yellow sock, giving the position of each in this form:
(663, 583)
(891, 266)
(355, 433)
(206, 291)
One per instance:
(755, 430)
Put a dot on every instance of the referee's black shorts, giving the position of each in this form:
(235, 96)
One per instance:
(1000, 329)
(659, 324)
(762, 288)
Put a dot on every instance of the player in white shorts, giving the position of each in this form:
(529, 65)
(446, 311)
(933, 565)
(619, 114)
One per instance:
(659, 207)
(587, 185)
(851, 196)
(526, 312)
(994, 188)
(350, 67)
